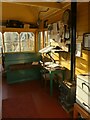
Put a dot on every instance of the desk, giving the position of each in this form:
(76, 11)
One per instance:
(52, 72)
(79, 109)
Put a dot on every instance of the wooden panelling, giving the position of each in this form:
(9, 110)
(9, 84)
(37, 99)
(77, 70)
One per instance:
(17, 30)
(57, 15)
(82, 63)
(89, 17)
(65, 59)
(11, 11)
(42, 4)
(83, 25)
(30, 12)
(82, 18)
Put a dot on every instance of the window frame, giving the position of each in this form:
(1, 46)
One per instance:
(19, 42)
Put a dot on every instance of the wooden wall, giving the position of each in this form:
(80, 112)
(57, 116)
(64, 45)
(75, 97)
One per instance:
(89, 16)
(82, 63)
(82, 18)
(83, 26)
(57, 16)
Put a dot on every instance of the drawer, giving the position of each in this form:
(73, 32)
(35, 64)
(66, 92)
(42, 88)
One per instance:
(83, 85)
(83, 95)
(82, 103)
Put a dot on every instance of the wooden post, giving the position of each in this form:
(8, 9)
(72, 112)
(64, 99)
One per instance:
(73, 38)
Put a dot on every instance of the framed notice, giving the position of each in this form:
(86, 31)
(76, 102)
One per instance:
(86, 41)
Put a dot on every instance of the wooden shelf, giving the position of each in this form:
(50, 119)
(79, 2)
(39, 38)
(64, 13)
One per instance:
(17, 29)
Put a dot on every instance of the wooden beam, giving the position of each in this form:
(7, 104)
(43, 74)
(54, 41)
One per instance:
(57, 11)
(73, 38)
(89, 16)
(17, 30)
(41, 4)
(50, 14)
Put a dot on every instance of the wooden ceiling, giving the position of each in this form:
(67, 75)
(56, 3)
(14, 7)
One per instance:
(29, 12)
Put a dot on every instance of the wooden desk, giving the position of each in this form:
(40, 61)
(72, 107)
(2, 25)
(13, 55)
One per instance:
(52, 72)
(79, 110)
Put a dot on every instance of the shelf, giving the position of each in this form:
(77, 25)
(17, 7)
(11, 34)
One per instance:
(17, 29)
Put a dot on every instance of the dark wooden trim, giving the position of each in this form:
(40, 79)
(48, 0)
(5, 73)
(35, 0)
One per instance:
(73, 37)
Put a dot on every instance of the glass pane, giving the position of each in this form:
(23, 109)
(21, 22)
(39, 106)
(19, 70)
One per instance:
(11, 37)
(1, 39)
(41, 39)
(49, 36)
(27, 41)
(11, 42)
(12, 47)
(45, 39)
(8, 47)
(0, 43)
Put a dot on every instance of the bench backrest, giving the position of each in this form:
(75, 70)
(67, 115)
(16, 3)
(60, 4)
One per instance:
(20, 58)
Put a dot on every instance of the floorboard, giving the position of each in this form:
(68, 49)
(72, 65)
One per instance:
(30, 100)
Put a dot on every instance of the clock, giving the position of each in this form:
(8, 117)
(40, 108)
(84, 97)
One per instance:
(66, 17)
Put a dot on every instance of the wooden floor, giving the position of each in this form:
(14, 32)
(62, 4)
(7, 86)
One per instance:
(30, 100)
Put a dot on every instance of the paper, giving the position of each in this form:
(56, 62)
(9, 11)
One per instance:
(46, 49)
(53, 65)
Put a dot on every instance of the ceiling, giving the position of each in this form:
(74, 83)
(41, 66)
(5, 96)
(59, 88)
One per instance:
(29, 12)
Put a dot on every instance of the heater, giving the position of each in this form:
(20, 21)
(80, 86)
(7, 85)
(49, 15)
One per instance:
(67, 94)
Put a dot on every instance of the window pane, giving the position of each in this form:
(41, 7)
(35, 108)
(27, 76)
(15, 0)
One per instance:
(0, 39)
(11, 37)
(0, 42)
(45, 39)
(49, 37)
(11, 42)
(12, 47)
(27, 41)
(40, 40)
(8, 47)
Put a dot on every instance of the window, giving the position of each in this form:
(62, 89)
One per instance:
(23, 42)
(1, 42)
(43, 43)
(11, 42)
(49, 37)
(45, 38)
(27, 41)
(40, 40)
